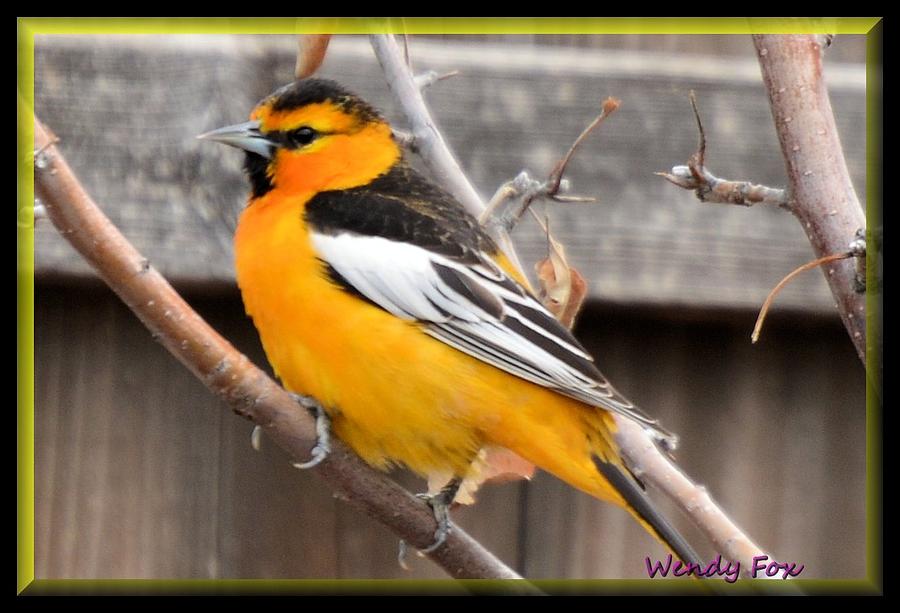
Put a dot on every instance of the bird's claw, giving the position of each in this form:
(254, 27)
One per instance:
(307, 402)
(318, 454)
(323, 432)
(440, 506)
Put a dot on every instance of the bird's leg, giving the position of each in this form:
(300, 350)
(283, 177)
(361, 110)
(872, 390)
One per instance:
(323, 431)
(440, 505)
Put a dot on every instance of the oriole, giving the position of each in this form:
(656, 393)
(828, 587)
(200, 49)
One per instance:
(374, 291)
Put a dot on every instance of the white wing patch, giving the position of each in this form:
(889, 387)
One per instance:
(477, 309)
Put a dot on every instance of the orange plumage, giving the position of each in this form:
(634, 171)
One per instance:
(376, 293)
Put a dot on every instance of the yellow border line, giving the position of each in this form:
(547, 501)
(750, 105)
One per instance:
(76, 587)
(25, 310)
(454, 25)
(29, 27)
(874, 314)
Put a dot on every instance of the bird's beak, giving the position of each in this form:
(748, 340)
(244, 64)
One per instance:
(244, 136)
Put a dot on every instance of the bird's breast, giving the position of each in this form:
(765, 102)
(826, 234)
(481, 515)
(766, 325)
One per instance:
(394, 392)
(293, 305)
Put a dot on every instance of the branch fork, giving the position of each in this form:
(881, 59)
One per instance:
(710, 188)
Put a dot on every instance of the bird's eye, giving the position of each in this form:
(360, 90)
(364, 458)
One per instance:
(302, 136)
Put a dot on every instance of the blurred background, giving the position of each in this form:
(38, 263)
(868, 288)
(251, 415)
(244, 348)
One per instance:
(141, 473)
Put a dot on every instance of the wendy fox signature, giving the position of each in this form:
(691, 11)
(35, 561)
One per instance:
(730, 570)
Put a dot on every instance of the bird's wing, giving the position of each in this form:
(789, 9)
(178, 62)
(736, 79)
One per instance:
(472, 305)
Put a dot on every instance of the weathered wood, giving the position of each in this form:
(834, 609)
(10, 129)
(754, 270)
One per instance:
(126, 473)
(127, 109)
(769, 429)
(844, 48)
(273, 521)
(140, 474)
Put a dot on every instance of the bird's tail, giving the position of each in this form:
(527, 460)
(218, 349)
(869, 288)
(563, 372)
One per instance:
(579, 447)
(604, 476)
(620, 486)
(638, 503)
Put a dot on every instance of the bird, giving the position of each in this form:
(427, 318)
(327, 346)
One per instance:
(377, 294)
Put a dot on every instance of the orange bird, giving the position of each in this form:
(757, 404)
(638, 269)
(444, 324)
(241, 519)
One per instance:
(376, 293)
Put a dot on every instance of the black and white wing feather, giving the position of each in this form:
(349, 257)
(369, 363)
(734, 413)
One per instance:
(472, 305)
(406, 245)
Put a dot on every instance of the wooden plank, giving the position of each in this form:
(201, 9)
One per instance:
(495, 520)
(844, 48)
(126, 458)
(139, 473)
(775, 431)
(368, 550)
(273, 521)
(127, 108)
(844, 517)
(277, 522)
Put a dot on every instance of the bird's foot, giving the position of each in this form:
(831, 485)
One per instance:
(440, 506)
(323, 431)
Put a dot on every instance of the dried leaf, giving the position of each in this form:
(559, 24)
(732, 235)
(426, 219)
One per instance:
(577, 294)
(493, 465)
(555, 282)
(311, 50)
(502, 465)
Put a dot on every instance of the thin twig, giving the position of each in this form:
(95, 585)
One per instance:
(701, 145)
(609, 106)
(311, 50)
(526, 190)
(550, 189)
(430, 77)
(710, 188)
(233, 378)
(429, 142)
(757, 329)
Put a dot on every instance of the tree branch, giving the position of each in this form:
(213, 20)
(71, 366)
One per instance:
(427, 139)
(649, 464)
(232, 377)
(822, 195)
(636, 445)
(710, 188)
(526, 190)
(311, 49)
